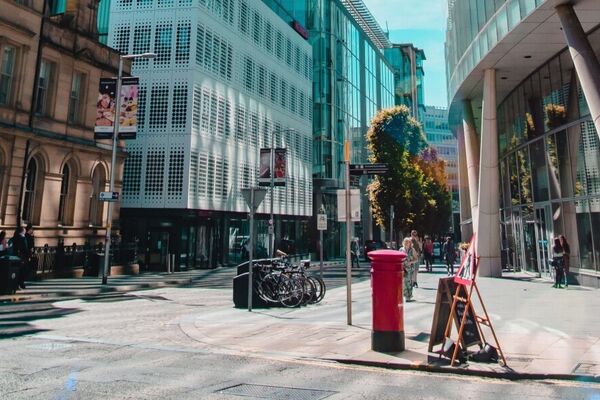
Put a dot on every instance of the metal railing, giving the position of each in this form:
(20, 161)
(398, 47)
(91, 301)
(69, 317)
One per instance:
(46, 259)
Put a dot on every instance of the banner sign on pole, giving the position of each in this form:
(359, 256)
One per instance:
(468, 268)
(105, 108)
(129, 106)
(280, 166)
(264, 176)
(354, 205)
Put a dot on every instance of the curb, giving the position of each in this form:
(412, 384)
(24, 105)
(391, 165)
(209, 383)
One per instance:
(512, 376)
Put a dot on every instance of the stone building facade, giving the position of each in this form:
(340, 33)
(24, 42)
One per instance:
(51, 168)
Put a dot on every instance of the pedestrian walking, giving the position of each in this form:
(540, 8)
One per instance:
(557, 263)
(417, 245)
(428, 253)
(409, 265)
(449, 252)
(566, 258)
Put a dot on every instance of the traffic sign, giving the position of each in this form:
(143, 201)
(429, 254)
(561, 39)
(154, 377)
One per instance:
(259, 196)
(109, 196)
(368, 169)
(322, 222)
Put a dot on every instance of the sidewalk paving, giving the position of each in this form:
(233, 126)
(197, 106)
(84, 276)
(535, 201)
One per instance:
(545, 333)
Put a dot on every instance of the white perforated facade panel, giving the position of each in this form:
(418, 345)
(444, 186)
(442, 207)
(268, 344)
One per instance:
(229, 74)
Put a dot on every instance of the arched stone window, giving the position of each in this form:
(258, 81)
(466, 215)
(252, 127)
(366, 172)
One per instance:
(98, 185)
(34, 187)
(68, 188)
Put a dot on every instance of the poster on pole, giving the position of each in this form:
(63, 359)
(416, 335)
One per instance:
(280, 166)
(129, 106)
(264, 176)
(105, 108)
(354, 205)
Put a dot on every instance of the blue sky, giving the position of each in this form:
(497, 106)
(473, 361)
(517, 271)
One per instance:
(423, 23)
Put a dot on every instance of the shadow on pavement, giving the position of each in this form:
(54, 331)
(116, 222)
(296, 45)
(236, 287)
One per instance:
(19, 319)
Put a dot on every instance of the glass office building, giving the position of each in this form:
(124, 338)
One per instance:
(544, 127)
(351, 81)
(409, 76)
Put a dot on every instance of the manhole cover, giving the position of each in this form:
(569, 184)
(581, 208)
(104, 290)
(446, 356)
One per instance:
(276, 392)
(587, 369)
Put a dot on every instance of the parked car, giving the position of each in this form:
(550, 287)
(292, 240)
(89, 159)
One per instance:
(371, 245)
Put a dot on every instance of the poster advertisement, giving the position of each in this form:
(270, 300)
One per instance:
(468, 269)
(279, 167)
(105, 107)
(264, 177)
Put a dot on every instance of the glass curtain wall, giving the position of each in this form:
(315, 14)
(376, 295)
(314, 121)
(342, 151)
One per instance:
(550, 168)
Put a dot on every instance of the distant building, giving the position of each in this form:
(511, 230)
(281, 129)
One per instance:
(407, 63)
(51, 168)
(230, 78)
(352, 81)
(439, 135)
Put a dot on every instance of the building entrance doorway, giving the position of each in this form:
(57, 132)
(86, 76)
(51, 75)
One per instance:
(543, 233)
(158, 250)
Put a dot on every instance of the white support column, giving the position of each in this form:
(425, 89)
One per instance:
(472, 160)
(488, 225)
(463, 186)
(584, 59)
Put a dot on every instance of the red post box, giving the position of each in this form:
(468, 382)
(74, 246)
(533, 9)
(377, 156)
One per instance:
(387, 274)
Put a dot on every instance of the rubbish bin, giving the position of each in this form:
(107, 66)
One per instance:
(240, 293)
(387, 273)
(9, 274)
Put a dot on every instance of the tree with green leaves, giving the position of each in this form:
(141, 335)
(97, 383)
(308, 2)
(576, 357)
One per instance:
(416, 183)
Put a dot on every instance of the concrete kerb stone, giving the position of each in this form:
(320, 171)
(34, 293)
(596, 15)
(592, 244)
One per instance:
(510, 375)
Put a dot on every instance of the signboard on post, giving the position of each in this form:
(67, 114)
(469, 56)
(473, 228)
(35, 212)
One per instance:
(354, 205)
(368, 169)
(259, 196)
(322, 222)
(110, 197)
(279, 167)
(106, 113)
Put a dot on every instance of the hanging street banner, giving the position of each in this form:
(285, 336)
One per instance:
(105, 108)
(368, 169)
(279, 167)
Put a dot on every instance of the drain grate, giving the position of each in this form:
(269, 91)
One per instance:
(275, 392)
(587, 369)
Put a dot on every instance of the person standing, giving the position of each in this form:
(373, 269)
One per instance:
(3, 243)
(417, 245)
(409, 265)
(449, 252)
(566, 257)
(557, 262)
(20, 249)
(428, 253)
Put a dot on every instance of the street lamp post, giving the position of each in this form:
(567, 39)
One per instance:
(115, 139)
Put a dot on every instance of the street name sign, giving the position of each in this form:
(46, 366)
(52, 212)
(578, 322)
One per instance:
(110, 197)
(368, 169)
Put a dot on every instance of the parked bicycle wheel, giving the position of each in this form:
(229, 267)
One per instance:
(320, 289)
(291, 292)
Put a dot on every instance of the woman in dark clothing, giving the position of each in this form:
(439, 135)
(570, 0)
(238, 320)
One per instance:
(566, 256)
(449, 252)
(21, 250)
(557, 262)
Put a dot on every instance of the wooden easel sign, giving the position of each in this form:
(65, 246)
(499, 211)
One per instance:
(463, 310)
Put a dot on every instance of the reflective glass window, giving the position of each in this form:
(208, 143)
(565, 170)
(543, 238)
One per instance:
(584, 234)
